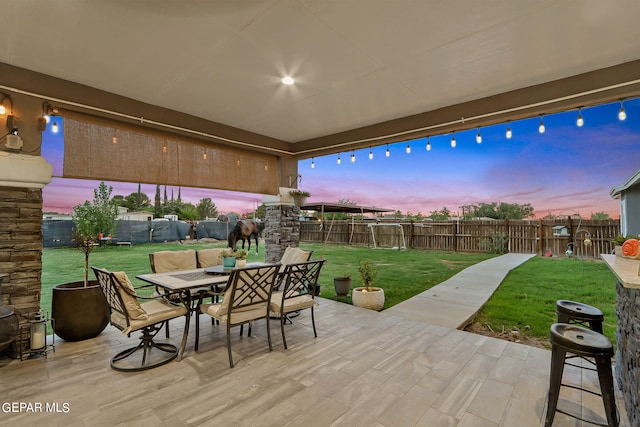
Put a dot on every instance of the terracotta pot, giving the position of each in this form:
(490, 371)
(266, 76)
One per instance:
(373, 300)
(79, 313)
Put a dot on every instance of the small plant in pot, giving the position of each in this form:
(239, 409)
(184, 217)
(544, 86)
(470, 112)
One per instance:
(368, 296)
(80, 309)
(231, 258)
(299, 196)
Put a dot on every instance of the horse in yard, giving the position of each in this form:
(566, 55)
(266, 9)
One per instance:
(245, 229)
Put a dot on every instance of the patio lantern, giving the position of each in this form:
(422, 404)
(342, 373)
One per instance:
(38, 332)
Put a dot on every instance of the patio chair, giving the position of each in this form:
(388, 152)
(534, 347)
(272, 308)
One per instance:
(128, 315)
(298, 293)
(209, 257)
(168, 261)
(246, 299)
(293, 255)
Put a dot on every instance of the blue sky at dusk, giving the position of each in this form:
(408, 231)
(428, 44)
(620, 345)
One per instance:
(564, 170)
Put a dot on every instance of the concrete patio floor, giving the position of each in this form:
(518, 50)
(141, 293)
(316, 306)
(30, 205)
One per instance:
(364, 369)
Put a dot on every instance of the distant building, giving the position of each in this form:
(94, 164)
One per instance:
(629, 195)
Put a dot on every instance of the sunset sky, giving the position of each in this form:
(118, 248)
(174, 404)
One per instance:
(567, 169)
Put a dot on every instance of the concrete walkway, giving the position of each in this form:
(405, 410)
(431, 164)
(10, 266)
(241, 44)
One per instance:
(455, 302)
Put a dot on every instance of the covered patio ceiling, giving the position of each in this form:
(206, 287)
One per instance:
(366, 72)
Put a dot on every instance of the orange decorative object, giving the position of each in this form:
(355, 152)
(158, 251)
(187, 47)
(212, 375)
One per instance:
(631, 248)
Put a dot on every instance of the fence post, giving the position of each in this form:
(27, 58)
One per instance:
(540, 235)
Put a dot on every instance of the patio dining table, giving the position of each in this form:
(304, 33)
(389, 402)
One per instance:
(185, 282)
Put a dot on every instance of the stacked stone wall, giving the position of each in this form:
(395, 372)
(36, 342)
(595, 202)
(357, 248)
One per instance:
(282, 229)
(628, 353)
(21, 250)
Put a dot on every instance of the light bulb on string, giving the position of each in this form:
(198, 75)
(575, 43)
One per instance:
(370, 153)
(339, 159)
(428, 144)
(580, 120)
(479, 137)
(387, 153)
(541, 128)
(509, 134)
(313, 163)
(408, 149)
(54, 127)
(353, 157)
(453, 140)
(622, 115)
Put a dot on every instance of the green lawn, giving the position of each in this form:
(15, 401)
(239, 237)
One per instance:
(402, 274)
(525, 300)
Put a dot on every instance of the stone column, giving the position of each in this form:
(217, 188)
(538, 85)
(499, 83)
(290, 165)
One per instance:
(22, 178)
(282, 225)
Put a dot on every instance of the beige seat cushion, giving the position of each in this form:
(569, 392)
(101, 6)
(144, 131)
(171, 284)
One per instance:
(291, 304)
(294, 255)
(220, 311)
(127, 292)
(157, 311)
(165, 261)
(209, 257)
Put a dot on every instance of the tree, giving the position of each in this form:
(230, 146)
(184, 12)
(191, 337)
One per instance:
(206, 208)
(440, 215)
(136, 202)
(157, 206)
(497, 210)
(260, 213)
(93, 219)
(600, 215)
(188, 212)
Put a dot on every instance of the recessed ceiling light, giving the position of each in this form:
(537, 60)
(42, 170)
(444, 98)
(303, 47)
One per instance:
(288, 80)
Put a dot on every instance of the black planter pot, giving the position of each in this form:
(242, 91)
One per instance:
(342, 285)
(79, 313)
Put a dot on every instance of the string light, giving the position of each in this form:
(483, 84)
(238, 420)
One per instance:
(370, 154)
(479, 137)
(339, 159)
(387, 153)
(408, 148)
(509, 134)
(353, 157)
(313, 163)
(580, 120)
(164, 147)
(541, 128)
(622, 115)
(428, 144)
(115, 138)
(453, 140)
(204, 155)
(54, 127)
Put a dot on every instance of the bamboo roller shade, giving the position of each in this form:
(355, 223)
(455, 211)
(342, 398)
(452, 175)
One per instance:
(147, 156)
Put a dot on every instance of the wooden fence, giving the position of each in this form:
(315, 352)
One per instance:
(519, 236)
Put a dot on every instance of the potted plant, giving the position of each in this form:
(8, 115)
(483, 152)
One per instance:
(80, 309)
(368, 296)
(228, 258)
(342, 285)
(241, 257)
(299, 196)
(619, 241)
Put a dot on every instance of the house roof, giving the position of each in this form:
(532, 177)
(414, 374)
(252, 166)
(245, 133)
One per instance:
(367, 73)
(616, 192)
